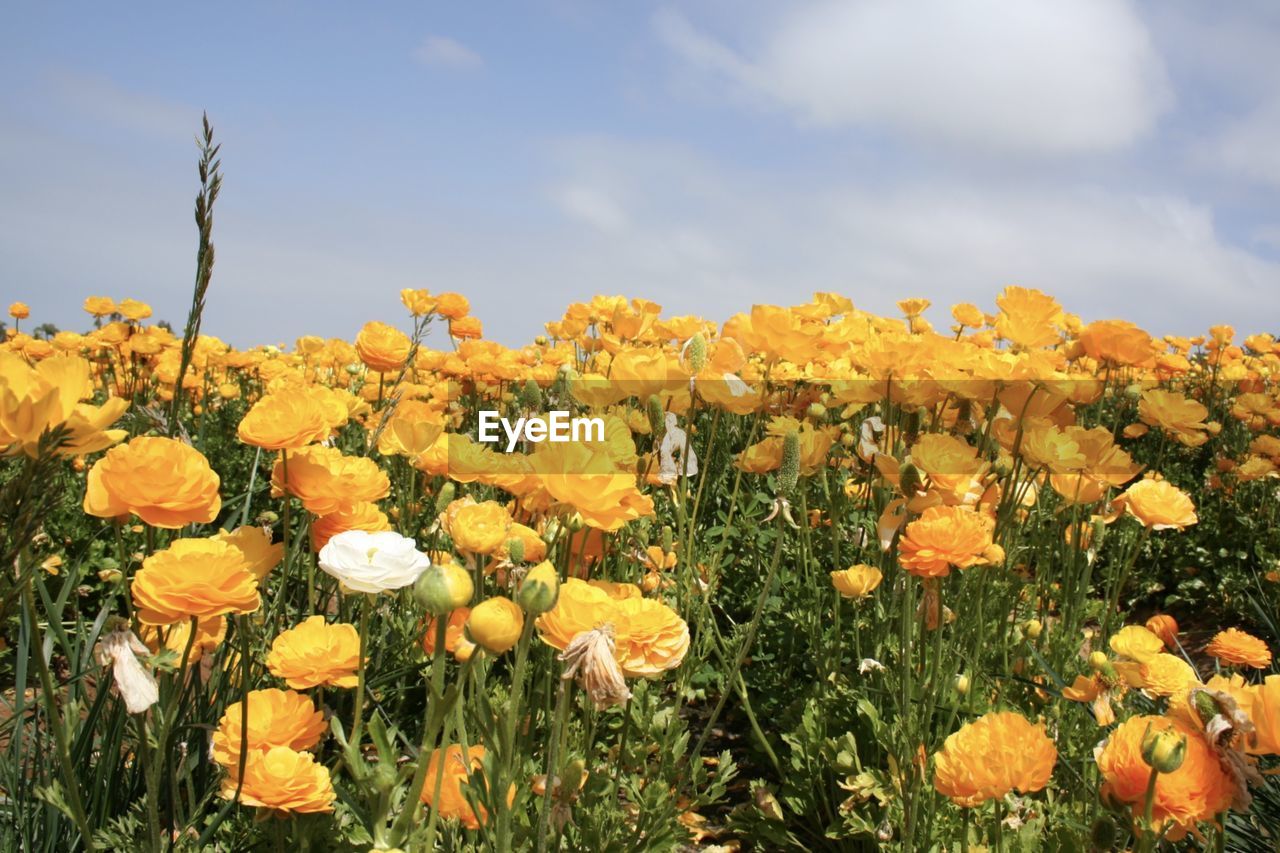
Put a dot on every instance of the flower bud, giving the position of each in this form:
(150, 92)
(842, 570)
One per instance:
(575, 522)
(531, 397)
(539, 589)
(667, 538)
(1033, 628)
(447, 491)
(515, 551)
(496, 624)
(657, 419)
(443, 588)
(1098, 661)
(1103, 834)
(962, 684)
(816, 411)
(1164, 750)
(383, 777)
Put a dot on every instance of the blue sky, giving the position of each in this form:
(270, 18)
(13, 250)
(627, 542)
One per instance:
(1124, 156)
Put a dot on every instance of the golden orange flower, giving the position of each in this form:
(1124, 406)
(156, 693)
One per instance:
(996, 754)
(1028, 318)
(99, 306)
(496, 623)
(453, 803)
(162, 481)
(453, 306)
(419, 302)
(46, 396)
(194, 577)
(650, 637)
(946, 536)
(382, 348)
(1136, 643)
(453, 632)
(478, 528)
(1117, 342)
(1197, 791)
(283, 780)
(315, 653)
(1159, 505)
(326, 481)
(276, 718)
(287, 420)
(1236, 648)
(856, 581)
(134, 310)
(1165, 627)
(360, 516)
(210, 632)
(1264, 712)
(255, 544)
(1177, 415)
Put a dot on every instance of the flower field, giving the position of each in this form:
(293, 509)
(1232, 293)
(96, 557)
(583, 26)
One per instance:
(827, 580)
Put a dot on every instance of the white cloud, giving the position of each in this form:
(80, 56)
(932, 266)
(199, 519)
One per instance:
(102, 99)
(591, 205)
(1250, 145)
(447, 53)
(1034, 76)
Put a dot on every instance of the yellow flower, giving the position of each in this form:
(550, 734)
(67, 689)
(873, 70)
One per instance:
(276, 718)
(1177, 415)
(382, 348)
(315, 653)
(255, 544)
(286, 420)
(856, 581)
(1197, 791)
(452, 306)
(996, 754)
(650, 637)
(1136, 643)
(946, 536)
(283, 780)
(1028, 318)
(419, 302)
(1235, 647)
(326, 481)
(162, 481)
(47, 396)
(19, 310)
(478, 528)
(134, 310)
(100, 306)
(1159, 505)
(496, 623)
(194, 577)
(210, 632)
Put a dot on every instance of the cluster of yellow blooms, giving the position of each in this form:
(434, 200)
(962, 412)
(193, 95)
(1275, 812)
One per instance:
(811, 372)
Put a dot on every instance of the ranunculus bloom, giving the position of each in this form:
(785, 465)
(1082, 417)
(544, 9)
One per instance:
(326, 481)
(453, 631)
(1196, 791)
(649, 637)
(453, 306)
(1028, 318)
(194, 577)
(162, 481)
(19, 310)
(284, 780)
(372, 562)
(276, 718)
(996, 754)
(1264, 711)
(1117, 342)
(1237, 648)
(286, 420)
(1165, 627)
(315, 653)
(856, 581)
(134, 310)
(453, 803)
(99, 306)
(496, 623)
(479, 528)
(419, 302)
(255, 544)
(210, 632)
(382, 348)
(1159, 505)
(1136, 643)
(1177, 415)
(946, 536)
(48, 395)
(361, 516)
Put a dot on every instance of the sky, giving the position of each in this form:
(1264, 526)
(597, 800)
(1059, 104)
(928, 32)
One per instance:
(707, 155)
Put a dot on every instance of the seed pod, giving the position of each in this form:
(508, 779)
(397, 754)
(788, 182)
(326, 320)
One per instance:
(515, 551)
(531, 397)
(790, 473)
(697, 353)
(667, 538)
(657, 419)
(447, 491)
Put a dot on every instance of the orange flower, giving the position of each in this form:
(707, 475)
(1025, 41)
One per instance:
(19, 310)
(382, 348)
(1197, 791)
(650, 637)
(1159, 505)
(946, 536)
(100, 306)
(326, 481)
(453, 803)
(996, 754)
(1165, 627)
(164, 482)
(478, 528)
(315, 653)
(1118, 343)
(1028, 318)
(210, 633)
(287, 420)
(1179, 416)
(40, 398)
(255, 544)
(194, 577)
(454, 635)
(1236, 648)
(359, 516)
(283, 780)
(856, 581)
(276, 718)
(453, 306)
(419, 302)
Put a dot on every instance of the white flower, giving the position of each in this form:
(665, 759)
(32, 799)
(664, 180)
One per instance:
(119, 650)
(870, 665)
(373, 562)
(671, 455)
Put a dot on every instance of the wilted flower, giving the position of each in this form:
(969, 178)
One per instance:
(119, 649)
